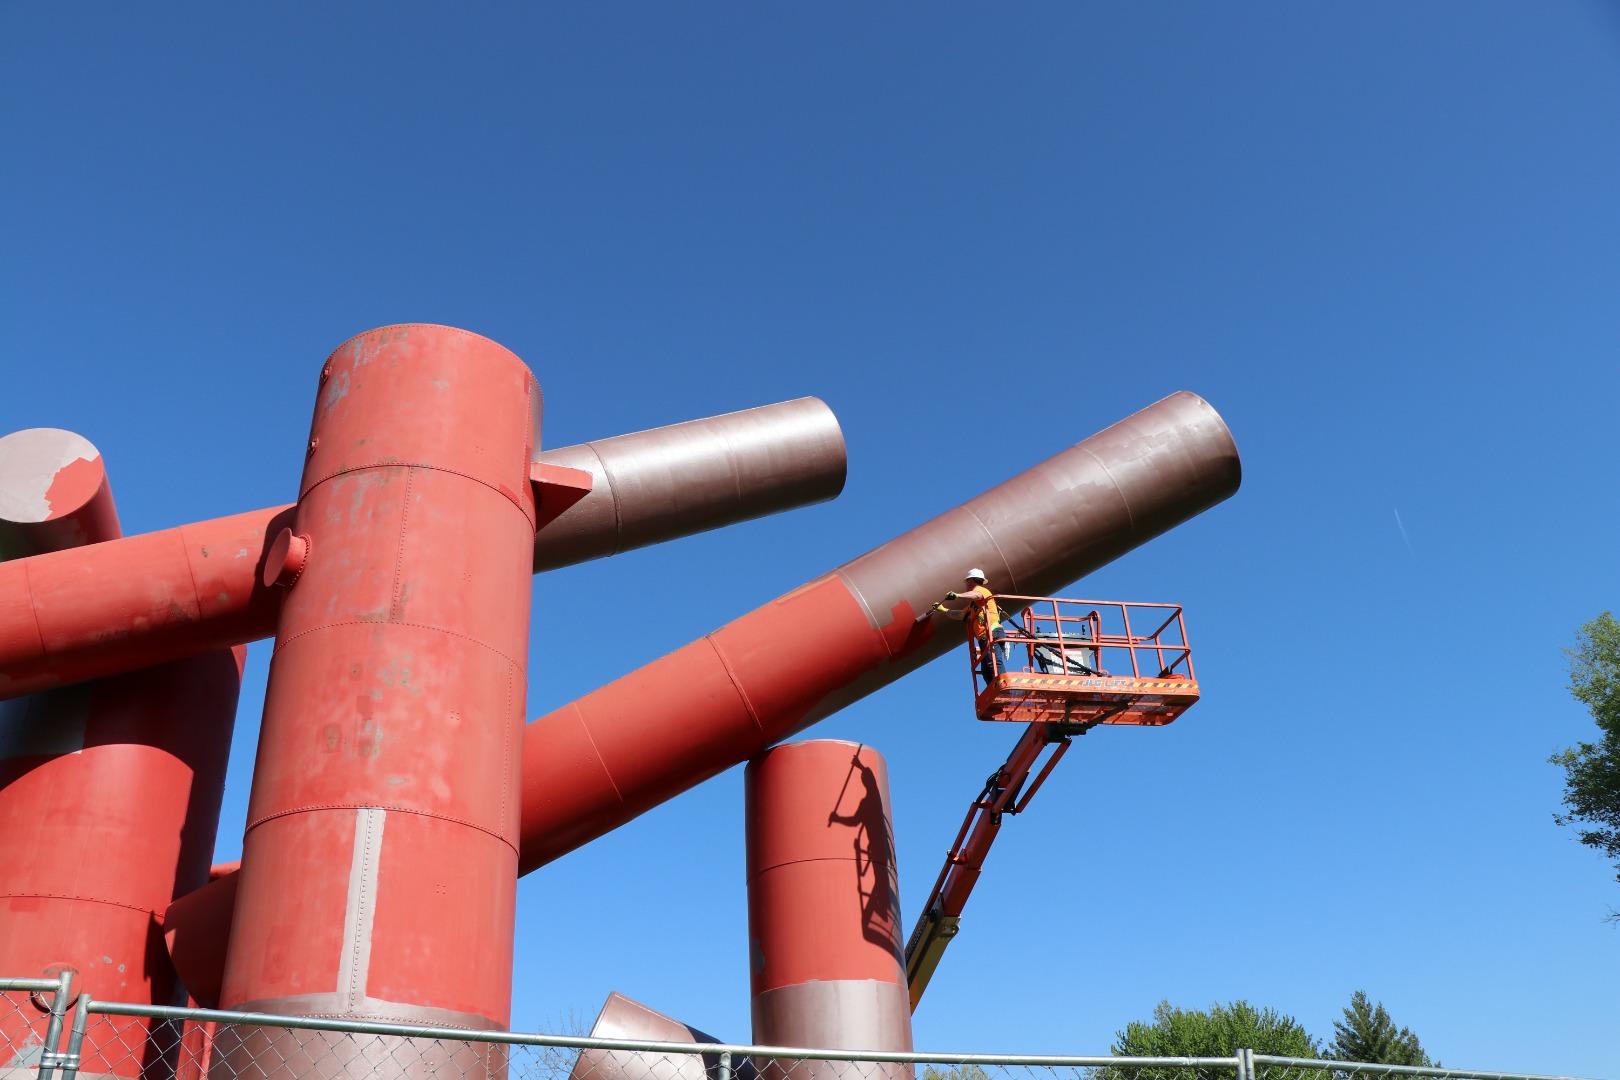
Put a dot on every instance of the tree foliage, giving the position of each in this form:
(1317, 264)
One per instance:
(955, 1072)
(1220, 1032)
(1592, 769)
(1368, 1034)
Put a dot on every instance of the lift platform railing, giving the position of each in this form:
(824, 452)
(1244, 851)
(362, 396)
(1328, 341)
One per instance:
(1083, 662)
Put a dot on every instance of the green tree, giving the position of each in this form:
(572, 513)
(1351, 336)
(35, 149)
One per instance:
(1368, 1034)
(955, 1072)
(1592, 769)
(1220, 1032)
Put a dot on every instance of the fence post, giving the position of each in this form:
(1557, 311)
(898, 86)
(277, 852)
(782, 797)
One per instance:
(53, 1030)
(1245, 1068)
(724, 1072)
(81, 1020)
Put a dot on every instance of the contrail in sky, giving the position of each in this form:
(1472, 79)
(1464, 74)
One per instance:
(1408, 539)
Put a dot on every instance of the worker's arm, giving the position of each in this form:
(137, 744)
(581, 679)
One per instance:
(951, 613)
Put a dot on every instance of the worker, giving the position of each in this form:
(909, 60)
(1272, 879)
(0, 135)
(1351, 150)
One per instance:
(978, 608)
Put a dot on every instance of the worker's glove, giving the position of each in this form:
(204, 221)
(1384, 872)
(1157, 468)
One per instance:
(940, 608)
(950, 596)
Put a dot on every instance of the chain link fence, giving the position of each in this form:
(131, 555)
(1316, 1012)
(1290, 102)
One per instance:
(50, 1035)
(32, 1012)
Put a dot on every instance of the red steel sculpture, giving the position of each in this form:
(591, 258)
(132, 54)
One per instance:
(594, 764)
(109, 791)
(397, 795)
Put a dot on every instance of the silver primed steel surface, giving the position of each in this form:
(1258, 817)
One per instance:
(688, 478)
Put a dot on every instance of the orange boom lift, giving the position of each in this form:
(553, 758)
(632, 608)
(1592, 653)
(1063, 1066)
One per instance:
(1064, 667)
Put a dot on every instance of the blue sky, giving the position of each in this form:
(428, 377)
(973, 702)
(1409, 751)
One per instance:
(1382, 239)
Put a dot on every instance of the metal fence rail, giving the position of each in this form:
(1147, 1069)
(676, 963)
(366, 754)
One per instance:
(142, 1042)
(32, 1012)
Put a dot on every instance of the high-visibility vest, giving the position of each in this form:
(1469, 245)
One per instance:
(982, 615)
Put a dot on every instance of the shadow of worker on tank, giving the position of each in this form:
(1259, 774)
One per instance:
(874, 857)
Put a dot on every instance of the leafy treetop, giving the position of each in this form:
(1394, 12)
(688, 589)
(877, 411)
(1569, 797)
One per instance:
(1592, 769)
(1220, 1032)
(1368, 1034)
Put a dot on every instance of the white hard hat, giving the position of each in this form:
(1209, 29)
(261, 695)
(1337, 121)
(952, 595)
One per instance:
(975, 574)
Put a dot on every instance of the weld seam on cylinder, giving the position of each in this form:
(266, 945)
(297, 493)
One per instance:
(191, 573)
(369, 1015)
(892, 866)
(1123, 501)
(392, 809)
(158, 912)
(613, 492)
(991, 536)
(399, 548)
(506, 753)
(33, 610)
(614, 784)
(358, 917)
(527, 513)
(741, 693)
(731, 462)
(415, 626)
(849, 586)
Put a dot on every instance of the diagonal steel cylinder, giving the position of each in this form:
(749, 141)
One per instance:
(615, 753)
(114, 607)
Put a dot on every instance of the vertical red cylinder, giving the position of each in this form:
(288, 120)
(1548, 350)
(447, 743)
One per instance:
(825, 943)
(109, 790)
(379, 865)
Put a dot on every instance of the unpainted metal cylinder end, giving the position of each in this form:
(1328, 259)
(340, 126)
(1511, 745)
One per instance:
(54, 493)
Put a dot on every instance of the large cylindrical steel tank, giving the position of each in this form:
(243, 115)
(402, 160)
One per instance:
(110, 790)
(824, 937)
(597, 762)
(379, 864)
(159, 596)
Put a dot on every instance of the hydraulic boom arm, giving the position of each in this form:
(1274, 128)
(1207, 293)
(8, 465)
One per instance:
(1004, 793)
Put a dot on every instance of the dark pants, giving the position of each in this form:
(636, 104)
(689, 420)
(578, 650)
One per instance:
(995, 658)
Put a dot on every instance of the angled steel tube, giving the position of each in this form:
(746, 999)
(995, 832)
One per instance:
(623, 1018)
(68, 616)
(615, 753)
(692, 477)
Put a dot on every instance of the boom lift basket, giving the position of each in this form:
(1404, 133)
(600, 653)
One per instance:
(1083, 662)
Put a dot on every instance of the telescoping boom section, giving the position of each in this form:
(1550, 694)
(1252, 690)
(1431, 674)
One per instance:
(1084, 662)
(1062, 667)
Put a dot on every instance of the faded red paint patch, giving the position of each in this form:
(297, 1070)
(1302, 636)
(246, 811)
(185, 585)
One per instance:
(906, 633)
(74, 485)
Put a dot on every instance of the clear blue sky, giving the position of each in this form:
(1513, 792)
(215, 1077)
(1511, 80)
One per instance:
(1383, 239)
